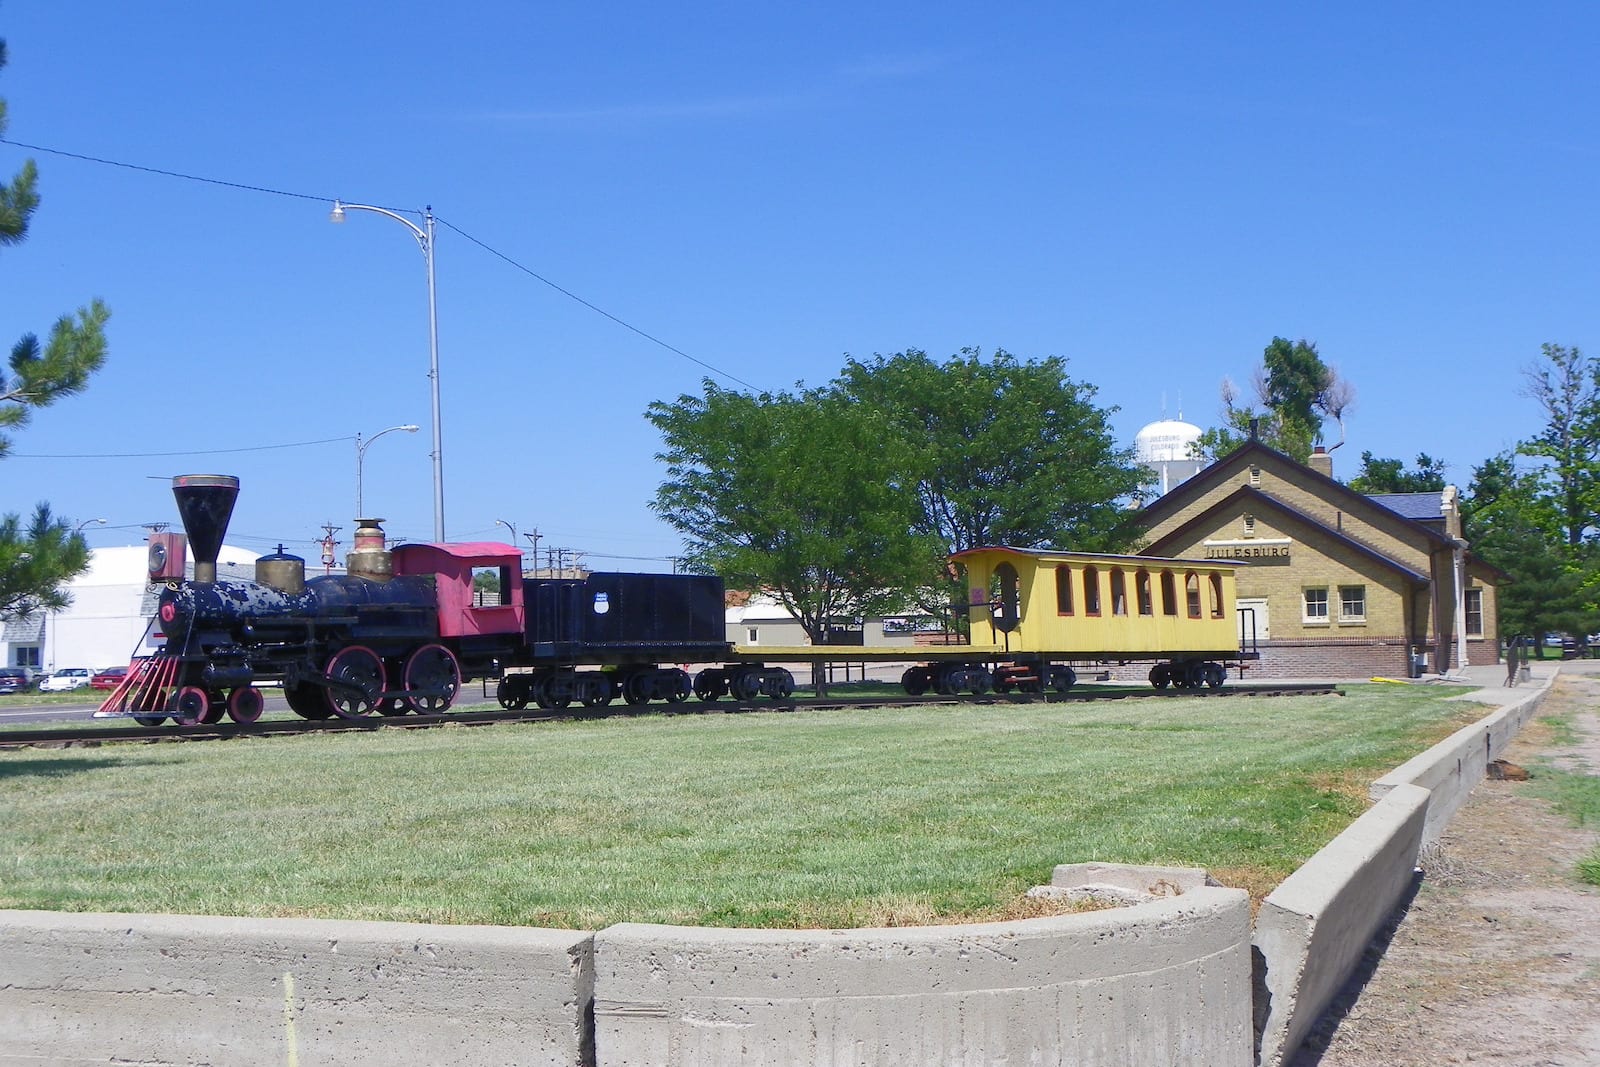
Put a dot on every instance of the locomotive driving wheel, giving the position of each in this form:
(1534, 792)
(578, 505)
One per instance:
(432, 678)
(358, 676)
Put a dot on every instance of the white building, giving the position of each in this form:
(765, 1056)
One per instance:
(112, 604)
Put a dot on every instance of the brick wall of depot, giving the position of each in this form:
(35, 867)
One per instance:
(1311, 658)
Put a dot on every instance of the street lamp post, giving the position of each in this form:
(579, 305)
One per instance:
(424, 236)
(361, 451)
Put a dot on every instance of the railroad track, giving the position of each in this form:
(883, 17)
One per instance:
(100, 732)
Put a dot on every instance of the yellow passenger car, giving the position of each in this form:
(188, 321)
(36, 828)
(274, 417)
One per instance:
(1042, 606)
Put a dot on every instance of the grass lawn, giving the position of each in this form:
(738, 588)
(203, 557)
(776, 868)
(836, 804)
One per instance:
(849, 818)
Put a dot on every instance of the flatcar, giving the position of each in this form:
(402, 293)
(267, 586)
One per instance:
(1034, 616)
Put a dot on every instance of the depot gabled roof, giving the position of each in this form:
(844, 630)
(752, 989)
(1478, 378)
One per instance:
(1248, 498)
(1251, 453)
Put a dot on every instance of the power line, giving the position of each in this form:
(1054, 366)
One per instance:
(329, 199)
(150, 455)
(597, 310)
(162, 173)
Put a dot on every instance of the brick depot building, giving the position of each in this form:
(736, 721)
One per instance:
(1336, 583)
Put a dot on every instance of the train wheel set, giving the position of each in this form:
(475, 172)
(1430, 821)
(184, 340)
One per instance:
(1194, 674)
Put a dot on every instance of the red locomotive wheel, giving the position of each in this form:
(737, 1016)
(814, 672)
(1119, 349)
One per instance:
(432, 678)
(190, 706)
(358, 674)
(245, 704)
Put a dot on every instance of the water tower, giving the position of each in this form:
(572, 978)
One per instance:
(1164, 447)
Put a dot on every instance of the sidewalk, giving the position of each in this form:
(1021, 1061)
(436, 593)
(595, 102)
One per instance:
(1497, 960)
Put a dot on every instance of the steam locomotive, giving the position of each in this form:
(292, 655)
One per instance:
(402, 629)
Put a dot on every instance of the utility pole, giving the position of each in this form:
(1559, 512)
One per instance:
(328, 545)
(533, 538)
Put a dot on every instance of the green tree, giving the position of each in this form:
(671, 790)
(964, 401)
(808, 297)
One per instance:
(36, 559)
(1296, 391)
(1511, 520)
(1566, 385)
(1001, 451)
(1390, 475)
(34, 562)
(793, 494)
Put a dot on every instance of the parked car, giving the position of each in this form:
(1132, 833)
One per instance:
(14, 680)
(66, 679)
(109, 678)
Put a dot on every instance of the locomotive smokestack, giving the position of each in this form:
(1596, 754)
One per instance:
(205, 503)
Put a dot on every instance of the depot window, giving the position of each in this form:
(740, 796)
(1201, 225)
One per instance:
(1352, 603)
(1474, 612)
(1316, 604)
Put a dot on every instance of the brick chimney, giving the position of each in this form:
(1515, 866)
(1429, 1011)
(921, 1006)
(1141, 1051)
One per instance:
(1321, 461)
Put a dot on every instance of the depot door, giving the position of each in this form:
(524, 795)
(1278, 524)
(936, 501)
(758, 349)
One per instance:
(1253, 620)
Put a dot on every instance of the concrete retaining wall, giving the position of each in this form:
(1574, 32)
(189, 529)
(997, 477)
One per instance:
(1159, 983)
(196, 989)
(1312, 931)
(1450, 769)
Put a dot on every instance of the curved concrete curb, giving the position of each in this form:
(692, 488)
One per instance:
(199, 989)
(1452, 768)
(1159, 983)
(1312, 931)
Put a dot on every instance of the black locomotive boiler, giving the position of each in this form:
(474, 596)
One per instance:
(402, 629)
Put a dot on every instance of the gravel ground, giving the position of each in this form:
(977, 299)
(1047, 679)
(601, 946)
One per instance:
(1497, 960)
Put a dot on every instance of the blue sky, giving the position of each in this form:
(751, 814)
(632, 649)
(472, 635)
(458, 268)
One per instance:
(1151, 190)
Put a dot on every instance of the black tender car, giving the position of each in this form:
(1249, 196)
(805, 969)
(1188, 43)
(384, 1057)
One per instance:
(14, 680)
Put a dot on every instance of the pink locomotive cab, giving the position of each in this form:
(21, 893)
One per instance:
(465, 611)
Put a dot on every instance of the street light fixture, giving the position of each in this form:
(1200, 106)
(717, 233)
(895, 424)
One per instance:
(88, 522)
(507, 525)
(361, 451)
(424, 236)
